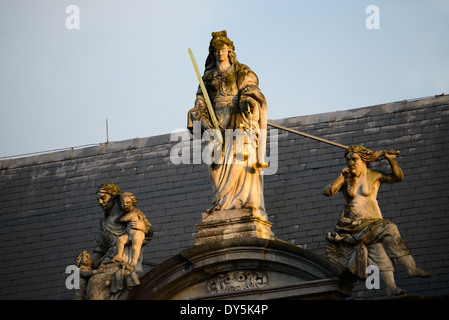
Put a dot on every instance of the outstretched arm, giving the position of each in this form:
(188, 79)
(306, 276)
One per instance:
(397, 174)
(333, 188)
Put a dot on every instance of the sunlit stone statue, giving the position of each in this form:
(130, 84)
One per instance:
(240, 107)
(238, 208)
(117, 256)
(84, 264)
(362, 236)
(134, 235)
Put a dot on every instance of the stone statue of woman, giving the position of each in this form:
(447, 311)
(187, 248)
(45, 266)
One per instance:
(239, 106)
(362, 236)
(112, 276)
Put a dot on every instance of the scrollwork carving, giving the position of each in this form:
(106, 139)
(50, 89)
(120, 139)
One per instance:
(237, 281)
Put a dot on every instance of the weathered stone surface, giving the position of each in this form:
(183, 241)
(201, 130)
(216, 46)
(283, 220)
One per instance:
(362, 236)
(117, 257)
(228, 224)
(230, 105)
(50, 214)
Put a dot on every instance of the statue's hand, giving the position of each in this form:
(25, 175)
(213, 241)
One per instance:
(139, 225)
(390, 154)
(249, 104)
(206, 124)
(94, 272)
(345, 172)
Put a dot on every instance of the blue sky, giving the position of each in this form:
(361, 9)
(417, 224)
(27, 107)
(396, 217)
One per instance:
(128, 62)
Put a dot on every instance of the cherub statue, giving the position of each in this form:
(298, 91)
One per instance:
(135, 236)
(84, 264)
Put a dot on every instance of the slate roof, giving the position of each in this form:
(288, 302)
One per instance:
(49, 210)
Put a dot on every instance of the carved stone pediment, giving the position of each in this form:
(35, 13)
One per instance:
(245, 268)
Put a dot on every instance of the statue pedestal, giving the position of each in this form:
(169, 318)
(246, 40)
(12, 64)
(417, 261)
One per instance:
(229, 224)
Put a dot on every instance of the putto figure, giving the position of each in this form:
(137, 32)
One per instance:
(134, 235)
(238, 105)
(362, 236)
(84, 264)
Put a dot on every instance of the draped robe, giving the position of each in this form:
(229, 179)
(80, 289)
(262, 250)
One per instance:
(235, 183)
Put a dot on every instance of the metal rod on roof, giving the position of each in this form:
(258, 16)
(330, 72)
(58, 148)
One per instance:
(307, 135)
(107, 132)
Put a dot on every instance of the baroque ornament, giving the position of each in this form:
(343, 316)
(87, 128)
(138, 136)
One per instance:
(237, 281)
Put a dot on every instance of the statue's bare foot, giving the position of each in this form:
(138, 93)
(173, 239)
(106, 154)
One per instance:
(418, 272)
(396, 291)
(118, 259)
(213, 208)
